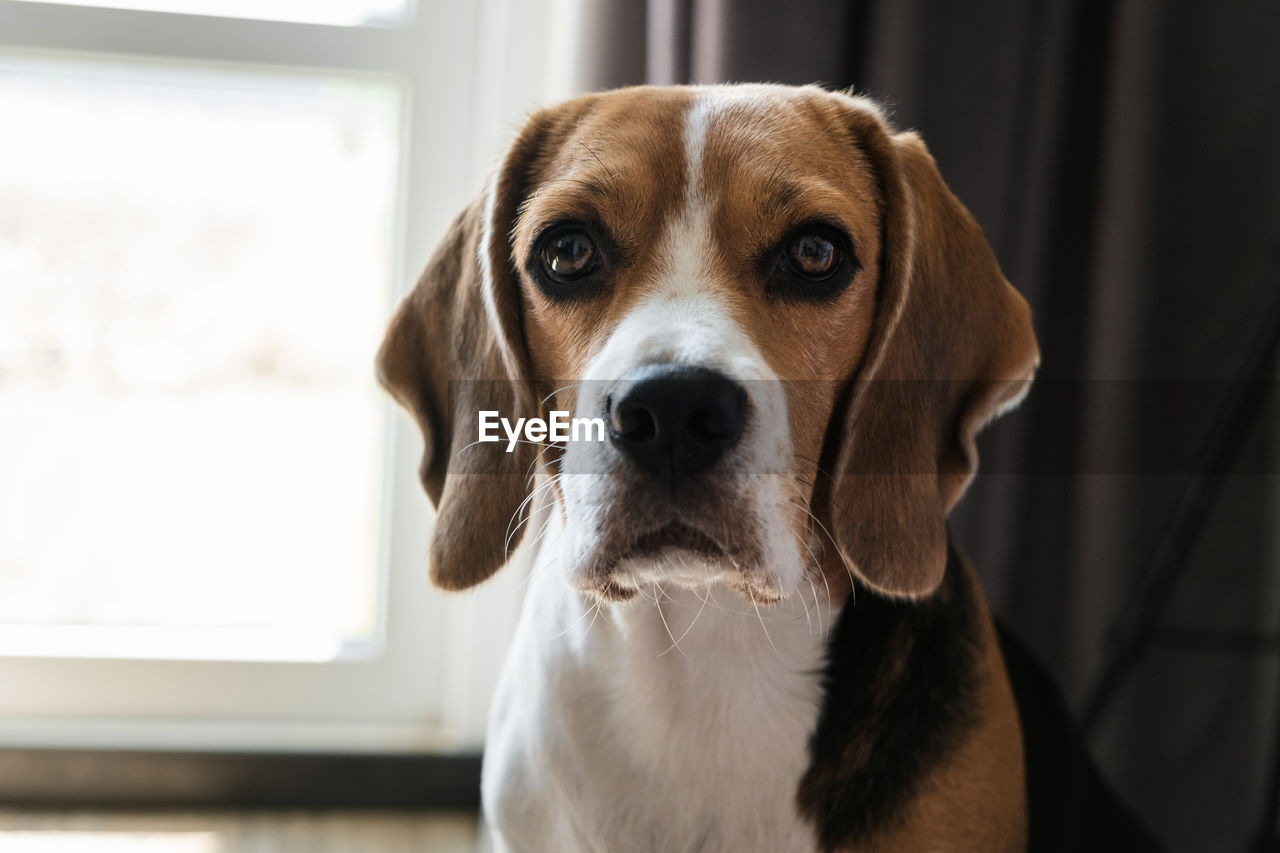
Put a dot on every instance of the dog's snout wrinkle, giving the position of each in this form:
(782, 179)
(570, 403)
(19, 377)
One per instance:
(674, 421)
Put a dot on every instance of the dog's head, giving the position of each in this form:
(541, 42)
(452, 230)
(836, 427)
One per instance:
(790, 327)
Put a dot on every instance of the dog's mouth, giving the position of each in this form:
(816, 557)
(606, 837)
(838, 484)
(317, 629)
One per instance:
(674, 551)
(673, 536)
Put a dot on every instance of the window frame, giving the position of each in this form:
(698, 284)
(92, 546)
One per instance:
(428, 685)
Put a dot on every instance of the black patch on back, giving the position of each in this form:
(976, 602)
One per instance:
(898, 698)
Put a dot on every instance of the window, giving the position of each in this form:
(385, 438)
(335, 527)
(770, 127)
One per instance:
(185, 329)
(211, 534)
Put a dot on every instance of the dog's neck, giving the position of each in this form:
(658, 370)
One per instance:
(745, 726)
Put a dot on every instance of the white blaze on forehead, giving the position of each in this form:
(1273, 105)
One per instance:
(684, 318)
(695, 143)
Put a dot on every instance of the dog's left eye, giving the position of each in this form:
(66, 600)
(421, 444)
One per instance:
(812, 255)
(569, 255)
(813, 262)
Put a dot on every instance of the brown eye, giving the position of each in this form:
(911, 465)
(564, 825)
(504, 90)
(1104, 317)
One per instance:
(812, 256)
(569, 255)
(814, 262)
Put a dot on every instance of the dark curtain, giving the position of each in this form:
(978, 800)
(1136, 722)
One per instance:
(1124, 160)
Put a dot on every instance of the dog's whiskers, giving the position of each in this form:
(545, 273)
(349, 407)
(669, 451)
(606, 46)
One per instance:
(529, 472)
(544, 444)
(519, 520)
(596, 609)
(675, 644)
(813, 568)
(693, 622)
(542, 531)
(544, 400)
(542, 566)
(848, 569)
(762, 625)
(577, 621)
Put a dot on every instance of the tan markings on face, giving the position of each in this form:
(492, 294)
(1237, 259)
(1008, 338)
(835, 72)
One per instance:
(621, 165)
(771, 162)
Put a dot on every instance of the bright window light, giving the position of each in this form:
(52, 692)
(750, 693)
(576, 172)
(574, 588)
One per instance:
(343, 13)
(194, 269)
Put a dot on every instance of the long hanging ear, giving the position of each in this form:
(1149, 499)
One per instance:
(951, 348)
(454, 348)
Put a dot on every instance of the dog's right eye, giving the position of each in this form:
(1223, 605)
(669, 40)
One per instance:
(569, 262)
(569, 255)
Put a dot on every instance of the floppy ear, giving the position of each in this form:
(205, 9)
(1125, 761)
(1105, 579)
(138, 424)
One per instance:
(456, 347)
(951, 347)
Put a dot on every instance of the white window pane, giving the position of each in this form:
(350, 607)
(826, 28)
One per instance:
(194, 268)
(348, 13)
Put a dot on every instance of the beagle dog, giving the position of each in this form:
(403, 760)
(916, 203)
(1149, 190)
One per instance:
(745, 628)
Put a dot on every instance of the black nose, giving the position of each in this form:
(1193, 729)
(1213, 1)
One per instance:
(674, 420)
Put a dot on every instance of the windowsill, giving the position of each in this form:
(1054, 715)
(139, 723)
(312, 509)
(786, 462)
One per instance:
(50, 778)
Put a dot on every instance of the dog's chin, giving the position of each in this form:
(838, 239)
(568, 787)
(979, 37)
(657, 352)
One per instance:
(679, 554)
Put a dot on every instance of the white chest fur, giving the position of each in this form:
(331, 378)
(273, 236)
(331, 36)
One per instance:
(607, 735)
